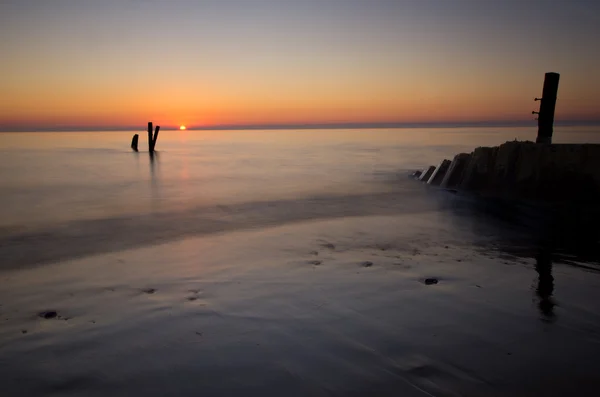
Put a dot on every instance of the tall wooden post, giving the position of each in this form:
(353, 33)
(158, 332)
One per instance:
(150, 149)
(547, 106)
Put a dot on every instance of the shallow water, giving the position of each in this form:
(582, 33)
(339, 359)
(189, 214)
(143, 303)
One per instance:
(279, 263)
(68, 194)
(57, 177)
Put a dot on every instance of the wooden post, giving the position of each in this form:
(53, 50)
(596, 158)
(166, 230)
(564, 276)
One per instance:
(547, 106)
(150, 148)
(134, 142)
(427, 173)
(439, 173)
(456, 171)
(155, 138)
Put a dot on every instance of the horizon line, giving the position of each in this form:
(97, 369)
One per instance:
(297, 126)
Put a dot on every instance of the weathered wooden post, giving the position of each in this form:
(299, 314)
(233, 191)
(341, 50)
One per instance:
(155, 138)
(151, 139)
(150, 149)
(134, 142)
(427, 173)
(455, 172)
(439, 173)
(547, 106)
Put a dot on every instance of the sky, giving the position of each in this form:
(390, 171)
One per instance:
(120, 63)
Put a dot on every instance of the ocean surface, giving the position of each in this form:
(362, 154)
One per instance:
(90, 185)
(280, 263)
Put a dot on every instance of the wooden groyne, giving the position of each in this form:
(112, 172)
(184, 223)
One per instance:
(539, 171)
(525, 170)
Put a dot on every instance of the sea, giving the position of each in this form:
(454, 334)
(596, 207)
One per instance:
(280, 262)
(92, 183)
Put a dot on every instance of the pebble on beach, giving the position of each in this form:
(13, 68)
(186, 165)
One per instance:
(328, 246)
(48, 314)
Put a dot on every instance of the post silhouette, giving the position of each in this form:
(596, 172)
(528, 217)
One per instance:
(150, 148)
(547, 107)
(134, 142)
(155, 138)
(151, 139)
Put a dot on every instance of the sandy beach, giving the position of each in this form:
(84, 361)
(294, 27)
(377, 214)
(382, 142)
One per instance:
(329, 307)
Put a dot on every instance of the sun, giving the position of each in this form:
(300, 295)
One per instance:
(182, 127)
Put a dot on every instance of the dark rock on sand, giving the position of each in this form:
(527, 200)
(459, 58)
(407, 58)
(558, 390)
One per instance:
(367, 264)
(24, 331)
(316, 263)
(430, 281)
(48, 314)
(149, 290)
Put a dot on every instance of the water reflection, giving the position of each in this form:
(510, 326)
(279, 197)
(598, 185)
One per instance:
(519, 234)
(545, 286)
(155, 180)
(153, 158)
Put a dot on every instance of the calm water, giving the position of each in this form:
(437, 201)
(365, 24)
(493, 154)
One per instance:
(90, 185)
(59, 177)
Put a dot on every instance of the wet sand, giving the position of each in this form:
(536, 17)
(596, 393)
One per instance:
(328, 307)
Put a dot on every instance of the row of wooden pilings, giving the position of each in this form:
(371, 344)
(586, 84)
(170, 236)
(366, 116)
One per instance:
(527, 170)
(448, 174)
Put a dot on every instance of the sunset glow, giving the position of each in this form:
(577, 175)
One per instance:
(364, 62)
(182, 127)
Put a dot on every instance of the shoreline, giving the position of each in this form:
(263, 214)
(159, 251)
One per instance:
(80, 238)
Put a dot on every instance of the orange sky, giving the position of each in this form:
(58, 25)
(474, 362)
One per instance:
(76, 64)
